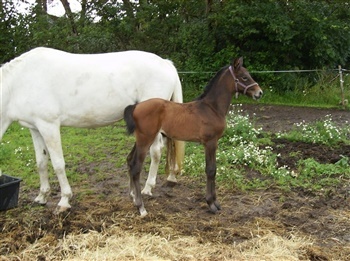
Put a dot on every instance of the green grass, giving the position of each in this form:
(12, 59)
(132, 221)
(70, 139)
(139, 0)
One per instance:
(329, 98)
(326, 93)
(17, 156)
(81, 147)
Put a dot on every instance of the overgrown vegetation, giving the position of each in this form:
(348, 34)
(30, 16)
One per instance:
(199, 36)
(202, 36)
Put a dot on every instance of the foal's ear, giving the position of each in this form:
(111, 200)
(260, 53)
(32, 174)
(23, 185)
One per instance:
(238, 63)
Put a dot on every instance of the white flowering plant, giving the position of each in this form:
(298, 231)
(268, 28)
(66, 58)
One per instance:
(245, 156)
(322, 132)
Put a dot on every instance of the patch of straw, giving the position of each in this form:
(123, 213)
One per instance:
(273, 247)
(115, 244)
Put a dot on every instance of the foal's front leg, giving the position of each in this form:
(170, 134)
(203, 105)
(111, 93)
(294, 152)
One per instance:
(210, 170)
(135, 161)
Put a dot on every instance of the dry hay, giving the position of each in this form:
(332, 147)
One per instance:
(113, 243)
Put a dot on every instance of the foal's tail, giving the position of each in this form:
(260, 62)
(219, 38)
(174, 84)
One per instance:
(130, 123)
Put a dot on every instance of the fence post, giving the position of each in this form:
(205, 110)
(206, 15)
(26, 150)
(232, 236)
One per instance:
(341, 86)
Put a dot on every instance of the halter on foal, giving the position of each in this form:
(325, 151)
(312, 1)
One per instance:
(202, 120)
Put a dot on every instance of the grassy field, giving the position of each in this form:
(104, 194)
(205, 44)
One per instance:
(17, 154)
(243, 145)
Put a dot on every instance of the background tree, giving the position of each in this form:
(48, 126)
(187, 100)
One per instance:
(196, 35)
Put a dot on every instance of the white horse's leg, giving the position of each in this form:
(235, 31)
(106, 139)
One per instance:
(52, 137)
(42, 158)
(4, 124)
(155, 153)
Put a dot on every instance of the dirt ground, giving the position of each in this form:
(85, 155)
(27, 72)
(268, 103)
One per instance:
(181, 210)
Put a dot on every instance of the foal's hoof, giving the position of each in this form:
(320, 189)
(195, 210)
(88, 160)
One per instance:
(214, 207)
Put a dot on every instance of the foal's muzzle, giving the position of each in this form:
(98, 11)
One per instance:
(257, 95)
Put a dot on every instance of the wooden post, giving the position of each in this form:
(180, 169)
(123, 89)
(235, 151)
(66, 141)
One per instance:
(341, 86)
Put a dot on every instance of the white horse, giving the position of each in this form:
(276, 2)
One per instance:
(45, 89)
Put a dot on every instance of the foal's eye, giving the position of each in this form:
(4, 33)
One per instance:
(244, 78)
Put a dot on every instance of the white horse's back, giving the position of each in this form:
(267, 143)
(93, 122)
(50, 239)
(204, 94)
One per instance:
(86, 90)
(45, 89)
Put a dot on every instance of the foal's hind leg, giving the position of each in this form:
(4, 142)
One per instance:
(135, 161)
(130, 160)
(155, 153)
(210, 170)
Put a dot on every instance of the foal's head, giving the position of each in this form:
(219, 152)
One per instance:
(244, 83)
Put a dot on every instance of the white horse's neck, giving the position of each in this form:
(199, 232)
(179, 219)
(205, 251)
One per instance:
(4, 101)
(4, 83)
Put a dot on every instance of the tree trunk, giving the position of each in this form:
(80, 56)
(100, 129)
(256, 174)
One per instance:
(128, 8)
(41, 7)
(83, 12)
(70, 16)
(208, 4)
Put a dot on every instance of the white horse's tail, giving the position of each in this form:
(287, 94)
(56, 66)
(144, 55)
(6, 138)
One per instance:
(176, 148)
(177, 94)
(175, 157)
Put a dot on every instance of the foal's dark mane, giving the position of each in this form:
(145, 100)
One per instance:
(211, 83)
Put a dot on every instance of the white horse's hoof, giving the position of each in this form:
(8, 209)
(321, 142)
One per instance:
(147, 191)
(40, 200)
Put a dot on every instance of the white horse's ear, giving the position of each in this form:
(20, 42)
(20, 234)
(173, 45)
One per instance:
(238, 63)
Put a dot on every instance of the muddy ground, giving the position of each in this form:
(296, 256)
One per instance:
(181, 210)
